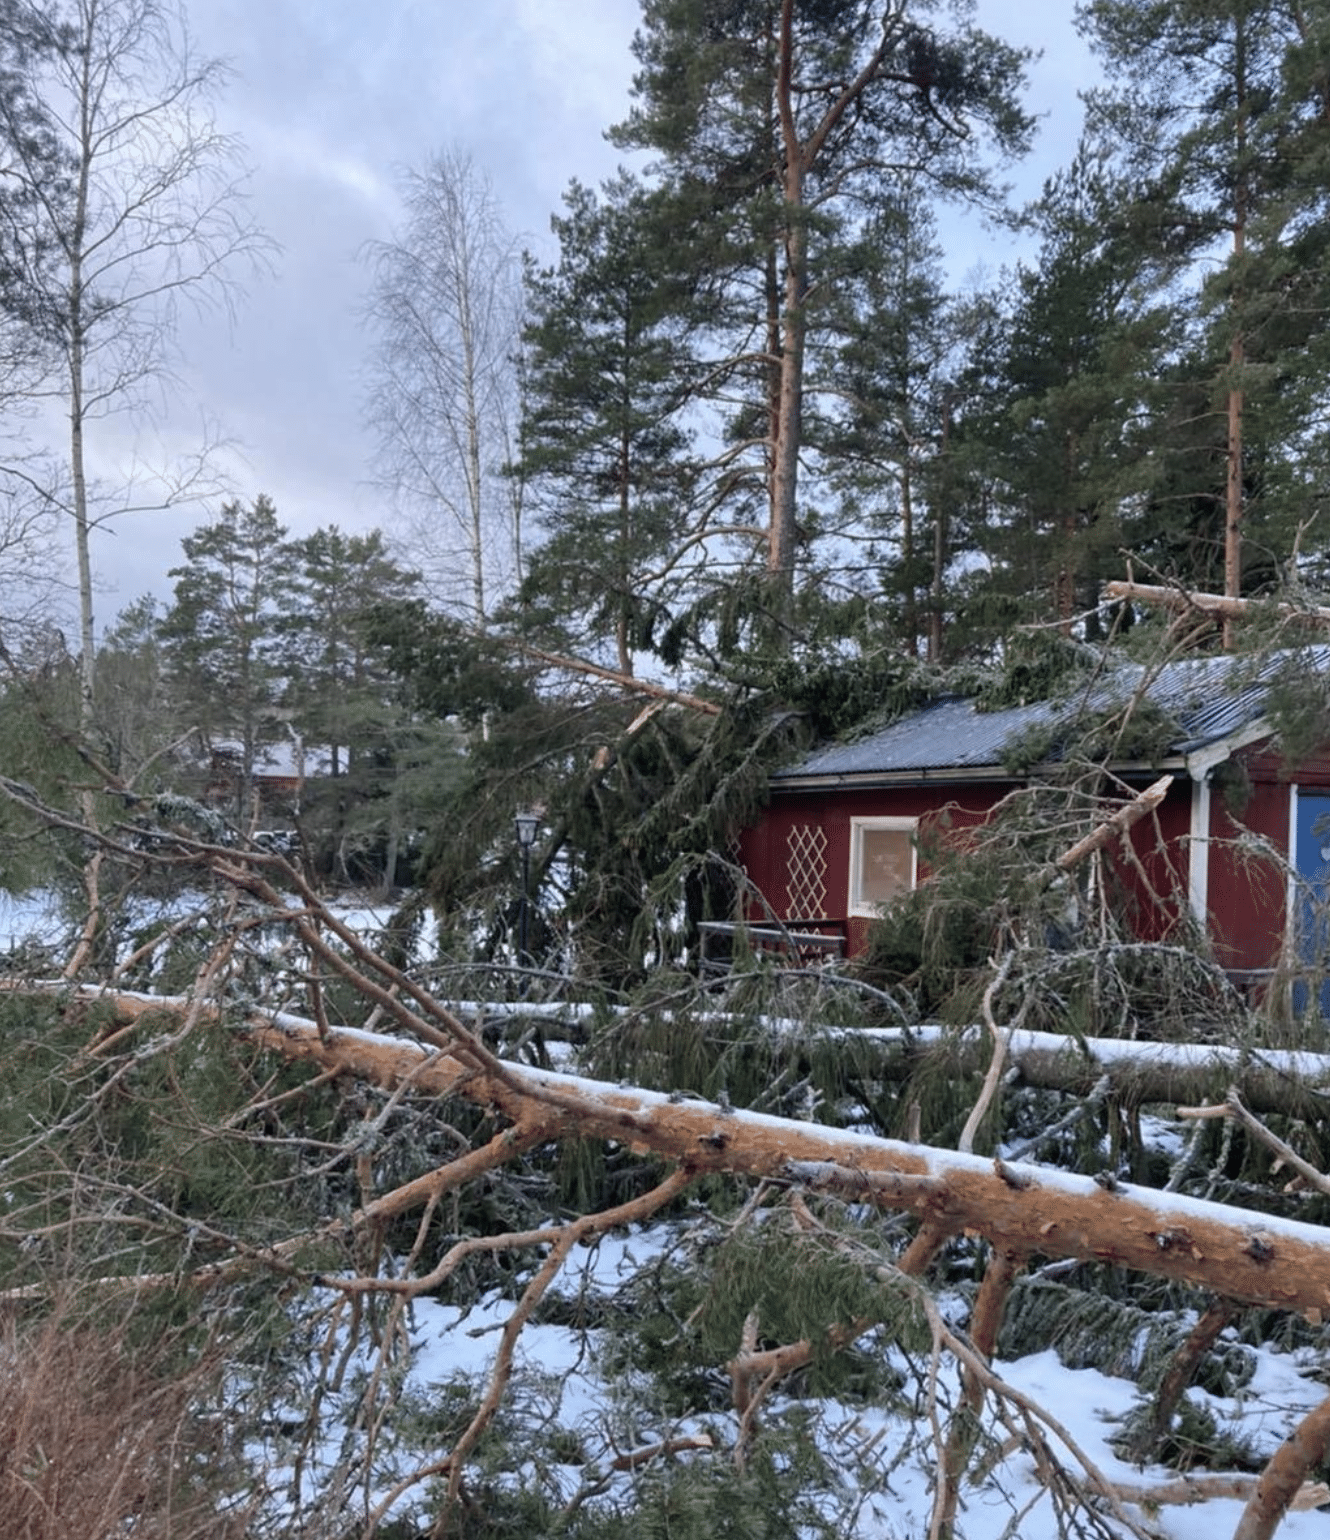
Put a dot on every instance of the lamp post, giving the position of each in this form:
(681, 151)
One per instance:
(526, 837)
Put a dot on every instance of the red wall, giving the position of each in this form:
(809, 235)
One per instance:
(1248, 894)
(1247, 901)
(1154, 894)
(764, 847)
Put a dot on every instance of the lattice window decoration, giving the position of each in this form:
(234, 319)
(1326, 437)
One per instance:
(806, 872)
(736, 879)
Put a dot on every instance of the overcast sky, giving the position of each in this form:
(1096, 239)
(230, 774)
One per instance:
(332, 100)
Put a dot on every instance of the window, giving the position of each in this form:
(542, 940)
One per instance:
(882, 861)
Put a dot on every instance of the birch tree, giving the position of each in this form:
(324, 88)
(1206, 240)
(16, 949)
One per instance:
(444, 315)
(146, 215)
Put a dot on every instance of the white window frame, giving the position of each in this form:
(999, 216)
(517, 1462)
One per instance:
(857, 904)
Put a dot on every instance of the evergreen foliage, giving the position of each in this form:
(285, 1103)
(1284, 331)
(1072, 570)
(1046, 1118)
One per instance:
(1219, 113)
(778, 136)
(223, 633)
(1059, 431)
(772, 459)
(607, 457)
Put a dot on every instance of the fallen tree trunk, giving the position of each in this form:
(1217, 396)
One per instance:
(1222, 606)
(1270, 1079)
(1255, 1259)
(1118, 824)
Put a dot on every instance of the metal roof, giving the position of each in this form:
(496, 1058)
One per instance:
(1210, 699)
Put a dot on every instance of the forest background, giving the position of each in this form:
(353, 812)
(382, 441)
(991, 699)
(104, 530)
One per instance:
(740, 468)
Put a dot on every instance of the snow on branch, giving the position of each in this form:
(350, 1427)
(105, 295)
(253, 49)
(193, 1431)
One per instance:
(1257, 1259)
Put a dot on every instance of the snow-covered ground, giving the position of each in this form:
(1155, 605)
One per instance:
(568, 1416)
(885, 1459)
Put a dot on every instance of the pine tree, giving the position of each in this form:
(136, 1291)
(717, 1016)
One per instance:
(778, 126)
(1085, 338)
(136, 716)
(336, 686)
(897, 351)
(1222, 108)
(384, 765)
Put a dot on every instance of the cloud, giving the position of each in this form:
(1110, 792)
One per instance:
(333, 101)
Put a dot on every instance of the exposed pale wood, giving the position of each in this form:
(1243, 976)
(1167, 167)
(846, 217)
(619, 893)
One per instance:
(1222, 606)
(993, 1078)
(629, 682)
(1183, 1490)
(1123, 819)
(1248, 1257)
(1234, 1108)
(667, 1448)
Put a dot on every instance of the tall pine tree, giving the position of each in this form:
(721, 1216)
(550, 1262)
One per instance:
(1222, 108)
(778, 127)
(604, 450)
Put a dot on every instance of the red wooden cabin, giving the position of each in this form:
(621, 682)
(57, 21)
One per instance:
(841, 833)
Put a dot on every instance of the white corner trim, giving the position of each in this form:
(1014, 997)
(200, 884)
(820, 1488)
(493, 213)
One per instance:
(1291, 854)
(1198, 851)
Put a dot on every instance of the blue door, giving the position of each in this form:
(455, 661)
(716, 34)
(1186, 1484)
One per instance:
(1312, 903)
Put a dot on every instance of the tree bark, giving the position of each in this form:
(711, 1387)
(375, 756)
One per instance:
(1279, 1483)
(785, 451)
(999, 1276)
(1201, 1338)
(1222, 606)
(1129, 814)
(629, 682)
(1255, 1259)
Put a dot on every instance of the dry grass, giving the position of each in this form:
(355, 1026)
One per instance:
(102, 1438)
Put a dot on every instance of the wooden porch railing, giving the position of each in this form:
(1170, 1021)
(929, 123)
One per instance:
(796, 943)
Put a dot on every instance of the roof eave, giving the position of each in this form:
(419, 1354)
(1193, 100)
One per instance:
(1202, 759)
(954, 775)
(1195, 762)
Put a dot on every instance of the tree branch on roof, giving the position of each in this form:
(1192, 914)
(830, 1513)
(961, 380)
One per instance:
(1181, 600)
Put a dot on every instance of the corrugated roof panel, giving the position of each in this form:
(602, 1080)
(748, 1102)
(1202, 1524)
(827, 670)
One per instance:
(1209, 698)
